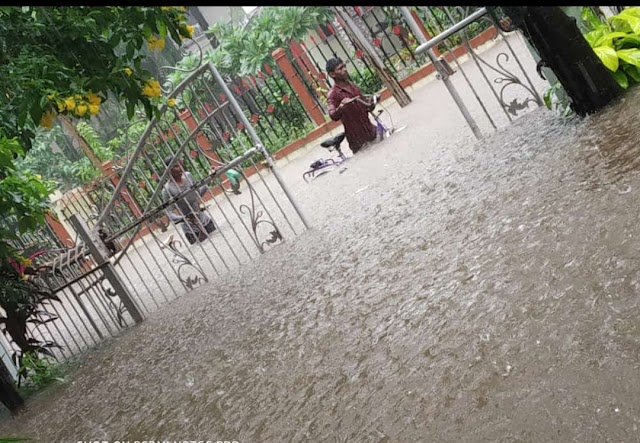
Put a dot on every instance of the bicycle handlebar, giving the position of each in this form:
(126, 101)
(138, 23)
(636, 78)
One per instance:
(374, 100)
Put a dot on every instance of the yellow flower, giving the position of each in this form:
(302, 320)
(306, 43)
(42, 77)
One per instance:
(151, 88)
(46, 121)
(128, 71)
(94, 98)
(81, 109)
(155, 43)
(70, 103)
(77, 97)
(61, 105)
(189, 30)
(94, 109)
(171, 102)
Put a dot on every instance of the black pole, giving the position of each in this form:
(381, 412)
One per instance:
(565, 51)
(9, 395)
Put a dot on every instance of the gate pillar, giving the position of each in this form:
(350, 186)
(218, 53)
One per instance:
(562, 47)
(100, 255)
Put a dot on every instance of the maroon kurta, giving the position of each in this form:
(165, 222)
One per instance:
(355, 118)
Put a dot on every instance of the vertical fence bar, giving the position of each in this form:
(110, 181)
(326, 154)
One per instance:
(256, 139)
(100, 256)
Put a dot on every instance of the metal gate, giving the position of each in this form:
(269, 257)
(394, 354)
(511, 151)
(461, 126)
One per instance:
(132, 258)
(498, 84)
(493, 73)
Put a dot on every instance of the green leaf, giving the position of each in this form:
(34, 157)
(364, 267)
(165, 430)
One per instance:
(131, 109)
(24, 224)
(607, 39)
(629, 40)
(633, 72)
(130, 50)
(634, 11)
(595, 36)
(162, 28)
(608, 57)
(547, 98)
(628, 17)
(631, 56)
(621, 78)
(36, 112)
(589, 16)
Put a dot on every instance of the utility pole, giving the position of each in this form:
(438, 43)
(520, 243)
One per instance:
(370, 56)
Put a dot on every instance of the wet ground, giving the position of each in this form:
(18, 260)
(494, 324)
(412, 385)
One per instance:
(450, 290)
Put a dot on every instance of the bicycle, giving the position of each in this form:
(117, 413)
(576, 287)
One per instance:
(321, 165)
(382, 132)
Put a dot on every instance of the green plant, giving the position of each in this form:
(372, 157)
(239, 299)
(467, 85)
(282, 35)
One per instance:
(23, 196)
(245, 49)
(368, 81)
(556, 99)
(46, 68)
(617, 43)
(38, 372)
(22, 298)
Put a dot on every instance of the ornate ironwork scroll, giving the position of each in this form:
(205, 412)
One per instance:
(184, 264)
(505, 77)
(255, 216)
(114, 301)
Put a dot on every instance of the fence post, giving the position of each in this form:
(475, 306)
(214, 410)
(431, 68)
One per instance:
(9, 394)
(114, 177)
(280, 56)
(100, 256)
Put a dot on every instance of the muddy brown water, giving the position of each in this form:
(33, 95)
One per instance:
(451, 291)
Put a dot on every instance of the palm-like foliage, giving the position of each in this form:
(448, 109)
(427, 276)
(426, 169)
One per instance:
(294, 22)
(244, 50)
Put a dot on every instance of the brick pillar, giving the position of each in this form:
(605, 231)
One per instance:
(424, 30)
(304, 62)
(59, 229)
(201, 139)
(298, 86)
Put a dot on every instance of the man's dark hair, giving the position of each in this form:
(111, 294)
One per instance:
(168, 159)
(333, 63)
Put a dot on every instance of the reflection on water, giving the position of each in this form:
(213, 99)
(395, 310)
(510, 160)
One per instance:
(471, 292)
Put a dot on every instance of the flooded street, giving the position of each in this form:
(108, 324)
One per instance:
(449, 290)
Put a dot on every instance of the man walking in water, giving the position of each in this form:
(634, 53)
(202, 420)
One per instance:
(197, 225)
(342, 106)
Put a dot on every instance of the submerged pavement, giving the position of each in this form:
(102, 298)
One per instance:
(449, 290)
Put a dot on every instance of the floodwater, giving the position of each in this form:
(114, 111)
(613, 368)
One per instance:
(449, 290)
